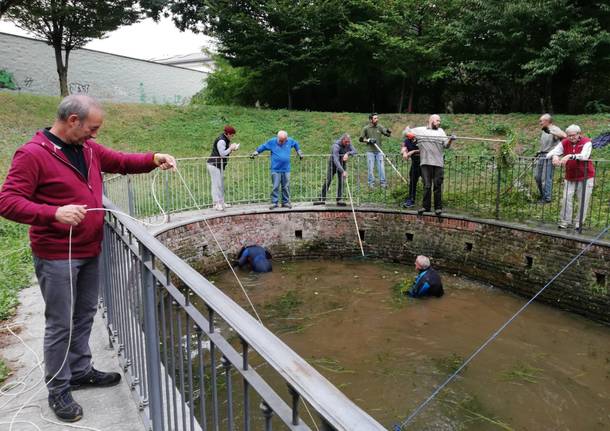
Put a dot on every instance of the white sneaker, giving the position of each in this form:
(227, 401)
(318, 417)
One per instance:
(225, 205)
(218, 207)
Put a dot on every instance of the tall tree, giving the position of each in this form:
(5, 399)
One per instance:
(6, 4)
(408, 37)
(542, 45)
(68, 24)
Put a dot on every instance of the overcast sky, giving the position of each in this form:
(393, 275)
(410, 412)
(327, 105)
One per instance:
(145, 40)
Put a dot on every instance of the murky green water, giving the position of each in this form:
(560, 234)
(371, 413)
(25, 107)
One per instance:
(549, 370)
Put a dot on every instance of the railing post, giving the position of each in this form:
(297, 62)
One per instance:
(167, 196)
(295, 404)
(151, 331)
(583, 196)
(130, 204)
(268, 414)
(498, 185)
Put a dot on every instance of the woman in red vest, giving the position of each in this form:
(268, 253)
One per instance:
(574, 152)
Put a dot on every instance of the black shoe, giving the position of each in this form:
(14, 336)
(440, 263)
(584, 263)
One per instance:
(272, 207)
(287, 205)
(438, 212)
(97, 379)
(341, 204)
(320, 202)
(64, 406)
(422, 210)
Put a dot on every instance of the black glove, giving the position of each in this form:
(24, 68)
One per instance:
(372, 141)
(389, 132)
(546, 129)
(253, 155)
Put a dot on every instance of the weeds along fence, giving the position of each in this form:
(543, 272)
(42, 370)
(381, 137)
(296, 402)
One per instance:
(473, 185)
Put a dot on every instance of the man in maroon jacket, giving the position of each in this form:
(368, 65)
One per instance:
(53, 180)
(575, 153)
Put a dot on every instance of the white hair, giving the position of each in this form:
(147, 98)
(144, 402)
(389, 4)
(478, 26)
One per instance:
(573, 129)
(547, 117)
(282, 134)
(423, 262)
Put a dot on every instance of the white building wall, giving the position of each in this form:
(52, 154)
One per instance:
(30, 65)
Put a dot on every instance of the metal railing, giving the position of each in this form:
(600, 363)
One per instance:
(477, 186)
(194, 370)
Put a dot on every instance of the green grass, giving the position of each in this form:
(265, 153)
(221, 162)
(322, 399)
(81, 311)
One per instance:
(5, 371)
(520, 373)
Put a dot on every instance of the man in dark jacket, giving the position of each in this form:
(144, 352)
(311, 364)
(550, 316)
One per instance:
(257, 257)
(339, 153)
(53, 181)
(428, 282)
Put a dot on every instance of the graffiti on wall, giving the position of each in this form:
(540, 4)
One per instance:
(78, 88)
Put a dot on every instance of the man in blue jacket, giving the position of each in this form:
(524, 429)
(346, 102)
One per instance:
(280, 148)
(428, 282)
(256, 256)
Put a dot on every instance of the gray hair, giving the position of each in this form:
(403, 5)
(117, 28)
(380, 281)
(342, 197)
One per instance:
(423, 262)
(344, 137)
(573, 129)
(547, 117)
(76, 104)
(282, 134)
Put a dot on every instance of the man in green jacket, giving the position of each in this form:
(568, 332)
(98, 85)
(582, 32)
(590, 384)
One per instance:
(372, 135)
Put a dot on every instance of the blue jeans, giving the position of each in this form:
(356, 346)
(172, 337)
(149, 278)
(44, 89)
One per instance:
(371, 158)
(544, 177)
(284, 179)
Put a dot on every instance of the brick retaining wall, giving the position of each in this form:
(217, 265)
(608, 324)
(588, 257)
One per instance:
(517, 259)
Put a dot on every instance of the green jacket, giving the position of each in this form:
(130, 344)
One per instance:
(373, 132)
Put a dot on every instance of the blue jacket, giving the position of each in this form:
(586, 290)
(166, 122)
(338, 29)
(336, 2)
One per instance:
(280, 154)
(427, 283)
(258, 258)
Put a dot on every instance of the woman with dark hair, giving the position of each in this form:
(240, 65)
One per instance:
(217, 163)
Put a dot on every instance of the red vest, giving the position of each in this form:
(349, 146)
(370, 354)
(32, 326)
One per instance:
(577, 170)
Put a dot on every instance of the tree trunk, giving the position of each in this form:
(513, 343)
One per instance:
(548, 94)
(62, 70)
(402, 94)
(411, 95)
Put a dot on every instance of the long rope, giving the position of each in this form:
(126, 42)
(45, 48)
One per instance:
(234, 274)
(220, 247)
(351, 202)
(464, 138)
(415, 412)
(391, 164)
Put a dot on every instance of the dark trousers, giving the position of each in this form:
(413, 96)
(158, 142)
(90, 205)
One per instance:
(54, 280)
(414, 174)
(330, 173)
(432, 176)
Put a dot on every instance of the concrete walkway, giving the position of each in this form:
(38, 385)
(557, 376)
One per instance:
(105, 409)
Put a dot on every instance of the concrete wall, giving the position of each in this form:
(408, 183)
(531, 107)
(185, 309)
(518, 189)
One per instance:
(30, 65)
(515, 259)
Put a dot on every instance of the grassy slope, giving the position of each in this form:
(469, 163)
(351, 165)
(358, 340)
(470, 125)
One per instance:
(189, 131)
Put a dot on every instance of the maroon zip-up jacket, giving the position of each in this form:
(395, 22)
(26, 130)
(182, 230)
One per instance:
(41, 179)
